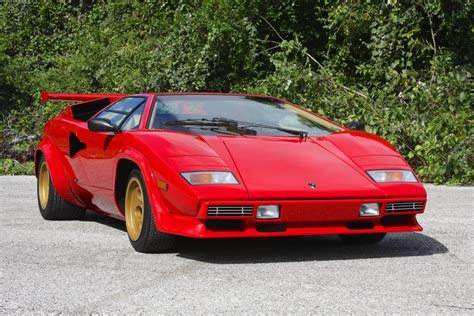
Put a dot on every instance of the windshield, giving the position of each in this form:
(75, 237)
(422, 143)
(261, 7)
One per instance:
(266, 112)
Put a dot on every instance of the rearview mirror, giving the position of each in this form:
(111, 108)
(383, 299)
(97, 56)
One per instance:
(102, 125)
(356, 125)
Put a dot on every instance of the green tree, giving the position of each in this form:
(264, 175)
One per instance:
(403, 67)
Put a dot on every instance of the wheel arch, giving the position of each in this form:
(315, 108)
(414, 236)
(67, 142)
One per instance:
(127, 160)
(57, 169)
(124, 167)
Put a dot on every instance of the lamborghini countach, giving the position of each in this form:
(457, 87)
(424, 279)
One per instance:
(215, 165)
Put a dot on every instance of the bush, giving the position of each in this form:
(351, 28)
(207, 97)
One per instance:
(402, 67)
(13, 167)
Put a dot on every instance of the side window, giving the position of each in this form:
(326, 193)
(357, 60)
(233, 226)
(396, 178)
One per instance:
(115, 118)
(133, 121)
(123, 110)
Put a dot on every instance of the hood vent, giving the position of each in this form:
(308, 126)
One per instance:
(230, 210)
(404, 206)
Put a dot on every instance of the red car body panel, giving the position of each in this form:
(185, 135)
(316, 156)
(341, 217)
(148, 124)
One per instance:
(271, 170)
(298, 162)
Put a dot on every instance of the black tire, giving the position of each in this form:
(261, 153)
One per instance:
(150, 239)
(362, 239)
(55, 207)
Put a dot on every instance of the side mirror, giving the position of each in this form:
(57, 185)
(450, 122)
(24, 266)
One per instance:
(356, 125)
(102, 125)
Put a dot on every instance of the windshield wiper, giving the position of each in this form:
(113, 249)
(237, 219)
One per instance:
(195, 122)
(235, 126)
(301, 134)
(231, 128)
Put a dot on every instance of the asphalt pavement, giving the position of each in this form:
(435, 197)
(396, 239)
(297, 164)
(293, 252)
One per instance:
(88, 266)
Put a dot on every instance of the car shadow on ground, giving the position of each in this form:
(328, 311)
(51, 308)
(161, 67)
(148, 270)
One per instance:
(291, 249)
(298, 249)
(104, 220)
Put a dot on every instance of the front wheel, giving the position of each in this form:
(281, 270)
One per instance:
(139, 219)
(362, 239)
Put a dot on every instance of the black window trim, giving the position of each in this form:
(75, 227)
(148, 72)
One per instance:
(150, 113)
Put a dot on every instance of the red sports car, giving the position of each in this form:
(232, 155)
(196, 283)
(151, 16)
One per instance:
(214, 165)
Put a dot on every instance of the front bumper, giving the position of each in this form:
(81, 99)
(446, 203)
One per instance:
(297, 218)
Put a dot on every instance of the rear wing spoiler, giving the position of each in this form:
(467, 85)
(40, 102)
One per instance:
(79, 97)
(89, 103)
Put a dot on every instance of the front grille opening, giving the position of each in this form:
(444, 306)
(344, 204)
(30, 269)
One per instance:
(397, 220)
(230, 210)
(360, 225)
(268, 228)
(225, 225)
(404, 206)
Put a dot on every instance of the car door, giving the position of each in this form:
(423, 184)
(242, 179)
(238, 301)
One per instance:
(97, 158)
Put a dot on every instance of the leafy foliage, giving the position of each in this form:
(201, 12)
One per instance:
(402, 67)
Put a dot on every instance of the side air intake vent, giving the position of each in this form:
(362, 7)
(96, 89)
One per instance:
(230, 210)
(404, 206)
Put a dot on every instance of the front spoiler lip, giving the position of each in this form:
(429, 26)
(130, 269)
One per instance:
(330, 217)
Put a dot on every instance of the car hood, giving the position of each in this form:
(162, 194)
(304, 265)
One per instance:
(270, 167)
(292, 168)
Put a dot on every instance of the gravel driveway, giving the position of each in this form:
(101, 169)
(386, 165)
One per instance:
(89, 266)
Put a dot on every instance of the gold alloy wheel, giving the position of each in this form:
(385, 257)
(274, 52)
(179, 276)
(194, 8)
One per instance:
(43, 185)
(134, 208)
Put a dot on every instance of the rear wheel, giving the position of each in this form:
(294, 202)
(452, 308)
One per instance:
(139, 218)
(362, 239)
(51, 205)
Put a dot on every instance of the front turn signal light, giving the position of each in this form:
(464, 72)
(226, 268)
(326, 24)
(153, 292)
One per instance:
(209, 177)
(382, 176)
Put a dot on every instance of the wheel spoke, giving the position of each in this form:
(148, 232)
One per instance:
(140, 196)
